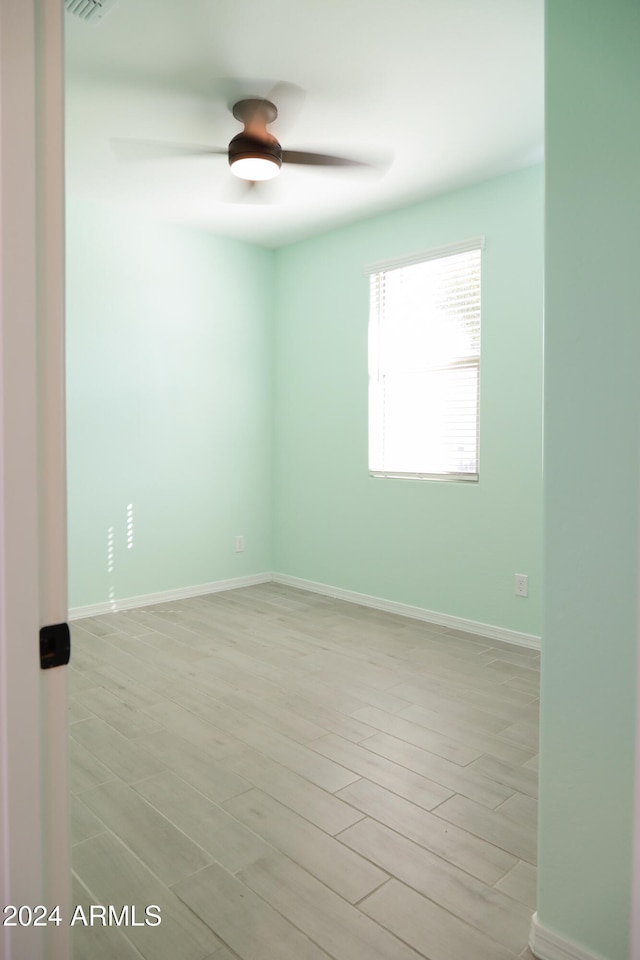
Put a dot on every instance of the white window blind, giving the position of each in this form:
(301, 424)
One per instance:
(424, 365)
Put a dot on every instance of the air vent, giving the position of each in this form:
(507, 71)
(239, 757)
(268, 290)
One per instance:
(89, 10)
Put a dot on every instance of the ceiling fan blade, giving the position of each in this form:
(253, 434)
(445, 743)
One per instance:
(289, 99)
(139, 150)
(320, 159)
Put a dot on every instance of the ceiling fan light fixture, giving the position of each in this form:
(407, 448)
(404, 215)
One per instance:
(253, 159)
(255, 168)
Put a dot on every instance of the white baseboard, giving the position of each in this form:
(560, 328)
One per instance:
(548, 945)
(417, 613)
(377, 603)
(182, 593)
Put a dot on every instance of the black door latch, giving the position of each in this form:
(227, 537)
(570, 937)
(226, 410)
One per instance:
(55, 645)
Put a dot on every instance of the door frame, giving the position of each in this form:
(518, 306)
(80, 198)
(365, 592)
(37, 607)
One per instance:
(34, 831)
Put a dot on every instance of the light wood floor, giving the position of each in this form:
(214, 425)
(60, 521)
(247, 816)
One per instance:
(291, 777)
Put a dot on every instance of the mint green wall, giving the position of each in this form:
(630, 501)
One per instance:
(178, 342)
(592, 399)
(449, 547)
(169, 404)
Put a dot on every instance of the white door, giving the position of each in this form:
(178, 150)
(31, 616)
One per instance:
(34, 837)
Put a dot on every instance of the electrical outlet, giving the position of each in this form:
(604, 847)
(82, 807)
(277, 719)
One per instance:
(522, 585)
(239, 544)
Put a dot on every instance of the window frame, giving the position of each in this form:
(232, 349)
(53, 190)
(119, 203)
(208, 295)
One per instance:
(374, 271)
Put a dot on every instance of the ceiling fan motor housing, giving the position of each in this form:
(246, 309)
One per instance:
(243, 146)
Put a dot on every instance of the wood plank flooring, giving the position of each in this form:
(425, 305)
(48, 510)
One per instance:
(292, 777)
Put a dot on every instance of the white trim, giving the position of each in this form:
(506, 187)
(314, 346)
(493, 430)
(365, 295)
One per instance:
(181, 593)
(463, 246)
(447, 477)
(416, 613)
(548, 945)
(363, 599)
(50, 194)
(26, 816)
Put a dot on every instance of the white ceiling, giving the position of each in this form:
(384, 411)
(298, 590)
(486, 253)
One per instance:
(445, 92)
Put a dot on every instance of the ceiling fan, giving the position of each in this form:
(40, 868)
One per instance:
(254, 154)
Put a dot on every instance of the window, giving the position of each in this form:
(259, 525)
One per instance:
(424, 365)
